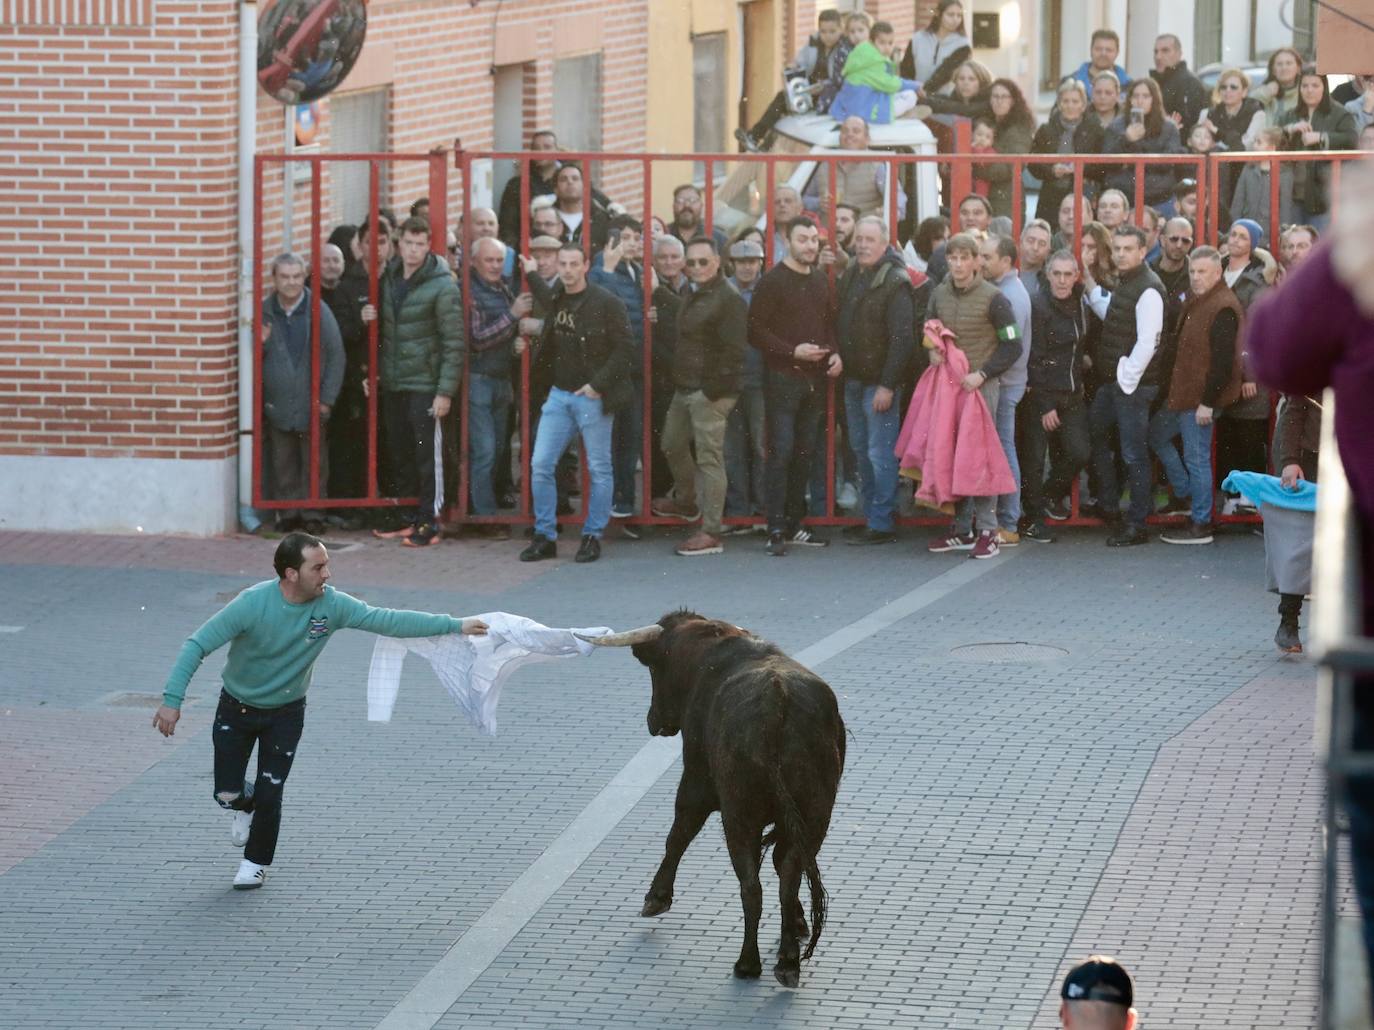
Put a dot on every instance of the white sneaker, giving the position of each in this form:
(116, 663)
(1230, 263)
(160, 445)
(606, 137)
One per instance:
(242, 822)
(250, 876)
(239, 827)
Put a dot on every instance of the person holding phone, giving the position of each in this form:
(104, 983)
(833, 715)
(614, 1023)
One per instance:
(1143, 130)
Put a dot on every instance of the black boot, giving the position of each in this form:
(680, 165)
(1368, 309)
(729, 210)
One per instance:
(1286, 637)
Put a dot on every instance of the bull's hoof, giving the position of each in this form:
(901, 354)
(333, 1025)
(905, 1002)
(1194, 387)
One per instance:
(748, 969)
(654, 906)
(788, 976)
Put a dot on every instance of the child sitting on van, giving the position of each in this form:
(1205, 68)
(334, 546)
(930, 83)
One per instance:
(856, 25)
(872, 88)
(983, 136)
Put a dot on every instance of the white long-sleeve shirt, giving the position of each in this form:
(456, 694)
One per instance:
(1149, 324)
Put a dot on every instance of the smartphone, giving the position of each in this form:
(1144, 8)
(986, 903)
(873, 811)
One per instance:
(614, 238)
(1137, 116)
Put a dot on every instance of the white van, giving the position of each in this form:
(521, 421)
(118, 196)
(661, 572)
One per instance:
(743, 196)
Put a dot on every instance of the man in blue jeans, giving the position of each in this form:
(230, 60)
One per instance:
(1132, 319)
(494, 335)
(1206, 378)
(585, 352)
(997, 257)
(875, 332)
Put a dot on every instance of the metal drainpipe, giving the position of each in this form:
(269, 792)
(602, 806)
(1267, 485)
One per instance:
(248, 127)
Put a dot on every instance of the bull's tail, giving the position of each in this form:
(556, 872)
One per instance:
(792, 827)
(794, 832)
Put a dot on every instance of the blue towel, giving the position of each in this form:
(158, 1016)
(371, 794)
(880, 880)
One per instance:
(1264, 489)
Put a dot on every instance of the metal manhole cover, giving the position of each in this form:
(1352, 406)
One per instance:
(1008, 652)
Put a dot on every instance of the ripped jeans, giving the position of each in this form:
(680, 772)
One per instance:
(276, 731)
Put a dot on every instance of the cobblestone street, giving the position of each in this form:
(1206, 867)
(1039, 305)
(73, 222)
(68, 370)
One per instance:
(1139, 782)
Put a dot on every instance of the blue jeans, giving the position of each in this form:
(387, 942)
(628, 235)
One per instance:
(1130, 414)
(489, 401)
(873, 435)
(627, 448)
(1197, 457)
(1008, 505)
(745, 456)
(1163, 433)
(563, 416)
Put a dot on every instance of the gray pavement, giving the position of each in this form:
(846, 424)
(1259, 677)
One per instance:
(1148, 792)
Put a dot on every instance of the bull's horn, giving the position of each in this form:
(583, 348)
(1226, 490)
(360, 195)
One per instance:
(627, 639)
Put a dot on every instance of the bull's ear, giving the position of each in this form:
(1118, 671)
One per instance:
(629, 638)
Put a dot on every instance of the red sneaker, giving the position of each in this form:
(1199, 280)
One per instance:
(953, 542)
(986, 545)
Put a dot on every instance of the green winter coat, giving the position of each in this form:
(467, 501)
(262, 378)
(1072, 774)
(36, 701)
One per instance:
(1312, 179)
(422, 344)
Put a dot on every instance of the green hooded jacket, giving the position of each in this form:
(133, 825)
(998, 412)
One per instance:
(422, 343)
(867, 67)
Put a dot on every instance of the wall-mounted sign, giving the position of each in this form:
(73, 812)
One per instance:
(307, 123)
(307, 47)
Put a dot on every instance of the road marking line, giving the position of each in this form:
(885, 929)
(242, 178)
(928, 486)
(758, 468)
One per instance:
(470, 956)
(10, 629)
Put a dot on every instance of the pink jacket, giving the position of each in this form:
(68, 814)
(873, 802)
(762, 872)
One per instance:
(949, 441)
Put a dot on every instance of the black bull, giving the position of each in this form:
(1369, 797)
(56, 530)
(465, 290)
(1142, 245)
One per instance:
(763, 743)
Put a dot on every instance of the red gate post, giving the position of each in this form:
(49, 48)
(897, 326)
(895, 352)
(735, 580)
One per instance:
(258, 441)
(526, 443)
(464, 282)
(647, 437)
(833, 167)
(316, 169)
(961, 172)
(374, 327)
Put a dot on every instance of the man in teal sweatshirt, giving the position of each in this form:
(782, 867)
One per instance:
(275, 630)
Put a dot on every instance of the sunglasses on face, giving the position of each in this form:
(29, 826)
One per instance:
(698, 262)
(1179, 239)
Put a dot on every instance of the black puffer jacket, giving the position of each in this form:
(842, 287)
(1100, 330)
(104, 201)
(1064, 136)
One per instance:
(1060, 334)
(713, 334)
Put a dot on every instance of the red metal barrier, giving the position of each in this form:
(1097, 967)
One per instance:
(438, 192)
(1085, 168)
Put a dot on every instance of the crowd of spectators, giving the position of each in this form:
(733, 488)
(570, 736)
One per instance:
(1075, 353)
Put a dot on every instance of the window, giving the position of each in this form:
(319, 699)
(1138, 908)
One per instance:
(577, 105)
(358, 125)
(709, 74)
(1051, 52)
(1206, 32)
(1305, 27)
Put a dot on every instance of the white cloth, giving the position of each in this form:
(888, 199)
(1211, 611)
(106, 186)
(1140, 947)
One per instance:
(472, 669)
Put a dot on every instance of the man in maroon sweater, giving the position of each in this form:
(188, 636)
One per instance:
(791, 320)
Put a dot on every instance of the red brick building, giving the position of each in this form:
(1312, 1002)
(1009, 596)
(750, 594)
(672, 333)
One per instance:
(119, 362)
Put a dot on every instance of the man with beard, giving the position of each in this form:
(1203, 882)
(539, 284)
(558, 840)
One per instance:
(687, 223)
(791, 321)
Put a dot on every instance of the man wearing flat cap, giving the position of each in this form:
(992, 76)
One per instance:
(1097, 995)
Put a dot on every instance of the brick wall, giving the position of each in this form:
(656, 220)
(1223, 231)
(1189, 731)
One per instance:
(117, 228)
(118, 182)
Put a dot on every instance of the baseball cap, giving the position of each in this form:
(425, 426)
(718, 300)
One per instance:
(743, 249)
(1099, 978)
(544, 243)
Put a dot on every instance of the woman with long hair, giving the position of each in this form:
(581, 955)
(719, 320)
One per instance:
(1316, 123)
(1070, 130)
(1013, 126)
(1144, 129)
(970, 96)
(1095, 255)
(938, 49)
(1279, 92)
